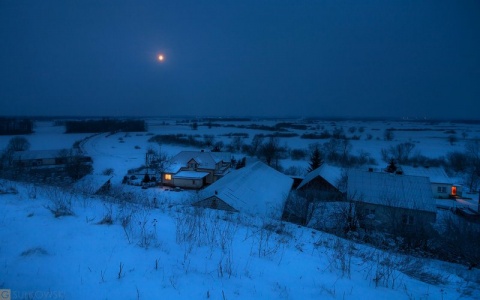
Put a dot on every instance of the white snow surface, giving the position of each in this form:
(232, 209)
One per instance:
(158, 247)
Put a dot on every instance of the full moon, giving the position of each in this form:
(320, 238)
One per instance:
(161, 57)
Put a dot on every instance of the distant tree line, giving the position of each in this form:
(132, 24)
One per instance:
(105, 125)
(13, 126)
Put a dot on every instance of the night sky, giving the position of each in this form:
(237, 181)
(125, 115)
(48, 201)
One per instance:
(241, 58)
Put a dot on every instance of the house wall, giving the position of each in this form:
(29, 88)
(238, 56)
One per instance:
(392, 219)
(209, 179)
(215, 203)
(48, 161)
(318, 189)
(188, 183)
(459, 190)
(441, 195)
(165, 181)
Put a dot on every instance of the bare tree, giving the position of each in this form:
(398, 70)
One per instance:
(257, 142)
(460, 239)
(270, 150)
(208, 139)
(452, 139)
(388, 134)
(400, 153)
(18, 143)
(76, 165)
(298, 209)
(156, 160)
(472, 150)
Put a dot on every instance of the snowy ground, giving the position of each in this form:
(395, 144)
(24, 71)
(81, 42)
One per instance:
(173, 252)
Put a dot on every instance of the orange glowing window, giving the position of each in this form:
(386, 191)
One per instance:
(168, 176)
(454, 190)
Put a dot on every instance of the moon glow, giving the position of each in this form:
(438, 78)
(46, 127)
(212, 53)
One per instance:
(161, 58)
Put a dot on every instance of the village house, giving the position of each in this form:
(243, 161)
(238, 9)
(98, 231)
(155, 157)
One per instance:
(255, 189)
(443, 186)
(391, 202)
(42, 159)
(196, 169)
(325, 183)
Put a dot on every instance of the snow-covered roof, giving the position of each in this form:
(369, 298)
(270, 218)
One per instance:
(190, 175)
(91, 183)
(205, 160)
(256, 189)
(330, 173)
(411, 192)
(436, 175)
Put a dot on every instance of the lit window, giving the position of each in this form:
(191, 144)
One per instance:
(454, 190)
(168, 176)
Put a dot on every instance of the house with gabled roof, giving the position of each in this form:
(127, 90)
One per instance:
(256, 189)
(196, 169)
(44, 158)
(325, 183)
(443, 186)
(392, 202)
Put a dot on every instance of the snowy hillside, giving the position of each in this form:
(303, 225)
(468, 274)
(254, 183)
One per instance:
(175, 252)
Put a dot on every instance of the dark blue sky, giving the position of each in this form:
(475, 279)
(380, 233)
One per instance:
(268, 58)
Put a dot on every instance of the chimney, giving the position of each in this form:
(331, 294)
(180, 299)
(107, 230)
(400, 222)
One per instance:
(216, 193)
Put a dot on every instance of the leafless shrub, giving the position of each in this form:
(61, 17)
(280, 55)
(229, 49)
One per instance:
(34, 251)
(226, 265)
(415, 268)
(147, 229)
(205, 228)
(120, 271)
(60, 202)
(8, 188)
(108, 172)
(269, 239)
(124, 216)
(384, 268)
(107, 218)
(341, 257)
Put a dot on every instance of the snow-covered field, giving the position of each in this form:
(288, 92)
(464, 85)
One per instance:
(168, 250)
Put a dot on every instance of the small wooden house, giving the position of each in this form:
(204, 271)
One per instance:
(196, 169)
(325, 183)
(443, 186)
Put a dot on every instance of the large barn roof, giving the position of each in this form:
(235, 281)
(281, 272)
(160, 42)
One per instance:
(411, 192)
(256, 189)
